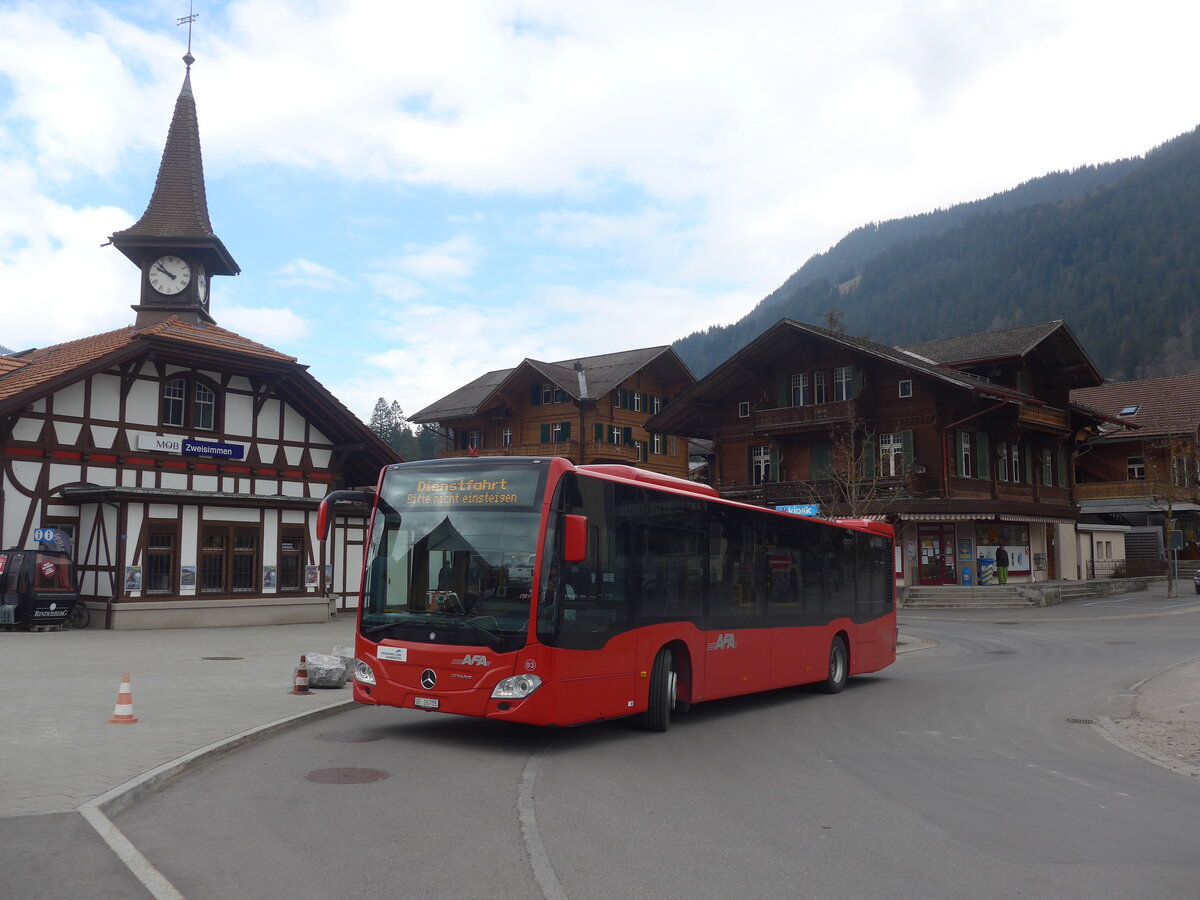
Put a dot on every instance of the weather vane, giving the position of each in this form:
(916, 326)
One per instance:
(189, 19)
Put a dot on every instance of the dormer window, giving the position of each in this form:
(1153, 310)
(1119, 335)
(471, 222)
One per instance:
(189, 402)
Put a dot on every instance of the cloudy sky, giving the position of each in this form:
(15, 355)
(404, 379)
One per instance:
(418, 192)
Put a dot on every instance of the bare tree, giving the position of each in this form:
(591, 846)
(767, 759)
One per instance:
(852, 485)
(1171, 470)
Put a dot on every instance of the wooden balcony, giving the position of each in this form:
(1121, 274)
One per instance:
(1044, 418)
(801, 418)
(827, 492)
(594, 451)
(1159, 491)
(568, 449)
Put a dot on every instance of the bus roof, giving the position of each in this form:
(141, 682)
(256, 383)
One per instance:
(645, 476)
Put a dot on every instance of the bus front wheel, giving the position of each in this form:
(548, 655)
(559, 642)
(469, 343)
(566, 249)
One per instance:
(663, 681)
(839, 667)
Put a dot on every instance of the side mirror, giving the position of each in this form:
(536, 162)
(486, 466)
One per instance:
(325, 510)
(574, 538)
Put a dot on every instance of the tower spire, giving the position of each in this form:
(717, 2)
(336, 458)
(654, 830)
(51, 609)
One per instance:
(175, 230)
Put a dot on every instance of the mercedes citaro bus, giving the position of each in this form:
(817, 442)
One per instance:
(534, 590)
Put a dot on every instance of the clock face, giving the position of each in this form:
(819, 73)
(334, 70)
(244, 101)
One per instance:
(169, 274)
(202, 286)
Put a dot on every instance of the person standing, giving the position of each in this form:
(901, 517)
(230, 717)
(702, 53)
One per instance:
(1002, 564)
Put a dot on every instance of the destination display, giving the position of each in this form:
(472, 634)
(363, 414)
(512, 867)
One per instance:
(507, 487)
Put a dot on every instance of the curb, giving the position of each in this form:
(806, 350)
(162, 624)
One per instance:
(908, 643)
(1110, 730)
(98, 810)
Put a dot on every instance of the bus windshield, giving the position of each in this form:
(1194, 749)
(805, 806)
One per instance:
(451, 554)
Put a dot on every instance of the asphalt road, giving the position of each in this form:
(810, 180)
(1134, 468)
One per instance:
(967, 769)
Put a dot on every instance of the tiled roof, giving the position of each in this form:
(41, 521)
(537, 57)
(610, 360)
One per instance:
(1165, 406)
(914, 359)
(463, 402)
(38, 367)
(601, 374)
(1002, 344)
(675, 417)
(178, 207)
(211, 336)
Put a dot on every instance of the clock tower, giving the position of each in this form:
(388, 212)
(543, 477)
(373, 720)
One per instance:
(173, 243)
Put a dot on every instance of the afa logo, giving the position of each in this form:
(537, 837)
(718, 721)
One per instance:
(725, 641)
(471, 659)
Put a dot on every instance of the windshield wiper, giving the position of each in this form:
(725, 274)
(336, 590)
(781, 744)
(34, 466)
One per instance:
(386, 625)
(494, 640)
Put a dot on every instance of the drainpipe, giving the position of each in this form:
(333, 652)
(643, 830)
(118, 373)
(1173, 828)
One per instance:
(582, 417)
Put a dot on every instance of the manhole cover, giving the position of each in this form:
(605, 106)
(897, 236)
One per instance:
(1081, 721)
(999, 652)
(222, 657)
(349, 737)
(346, 776)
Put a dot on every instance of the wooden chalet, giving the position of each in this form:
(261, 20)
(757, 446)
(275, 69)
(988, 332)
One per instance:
(963, 444)
(183, 463)
(590, 410)
(1141, 467)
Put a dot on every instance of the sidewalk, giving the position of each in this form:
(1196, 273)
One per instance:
(58, 750)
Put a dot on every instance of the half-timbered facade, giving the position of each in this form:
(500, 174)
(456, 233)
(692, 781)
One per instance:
(184, 462)
(589, 410)
(964, 460)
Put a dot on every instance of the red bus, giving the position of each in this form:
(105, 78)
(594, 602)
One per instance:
(534, 590)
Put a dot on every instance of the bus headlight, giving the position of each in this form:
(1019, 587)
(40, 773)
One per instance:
(516, 688)
(363, 673)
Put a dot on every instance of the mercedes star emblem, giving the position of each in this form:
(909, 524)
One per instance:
(428, 679)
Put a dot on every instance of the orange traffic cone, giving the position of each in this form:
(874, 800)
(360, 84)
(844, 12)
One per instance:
(301, 684)
(123, 713)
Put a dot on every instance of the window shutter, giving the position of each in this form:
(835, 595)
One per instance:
(627, 436)
(1062, 468)
(959, 444)
(783, 391)
(820, 460)
(983, 462)
(774, 475)
(535, 395)
(906, 449)
(598, 433)
(1025, 450)
(870, 452)
(545, 433)
(566, 431)
(856, 382)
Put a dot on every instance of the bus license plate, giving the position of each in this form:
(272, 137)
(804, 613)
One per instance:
(425, 702)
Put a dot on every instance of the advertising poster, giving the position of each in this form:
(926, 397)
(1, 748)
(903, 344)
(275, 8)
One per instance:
(1015, 539)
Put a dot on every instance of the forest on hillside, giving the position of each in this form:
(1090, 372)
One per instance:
(1114, 250)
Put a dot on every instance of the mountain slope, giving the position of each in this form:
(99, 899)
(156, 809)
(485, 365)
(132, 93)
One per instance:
(1113, 249)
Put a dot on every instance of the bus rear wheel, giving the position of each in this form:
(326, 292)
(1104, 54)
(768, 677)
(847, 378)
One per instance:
(839, 667)
(663, 681)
